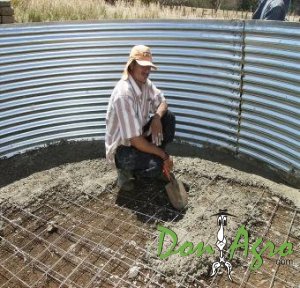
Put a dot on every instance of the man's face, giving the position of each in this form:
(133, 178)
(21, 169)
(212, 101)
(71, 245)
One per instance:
(140, 73)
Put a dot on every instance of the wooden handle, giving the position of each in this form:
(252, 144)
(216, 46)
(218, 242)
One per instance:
(167, 174)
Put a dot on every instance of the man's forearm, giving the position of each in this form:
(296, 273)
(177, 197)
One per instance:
(162, 109)
(143, 145)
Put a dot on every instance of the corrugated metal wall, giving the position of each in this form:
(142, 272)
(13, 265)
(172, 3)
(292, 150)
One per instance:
(270, 124)
(55, 81)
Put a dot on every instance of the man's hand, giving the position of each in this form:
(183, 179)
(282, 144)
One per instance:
(156, 130)
(143, 145)
(168, 166)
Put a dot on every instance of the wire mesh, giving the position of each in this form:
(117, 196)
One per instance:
(94, 241)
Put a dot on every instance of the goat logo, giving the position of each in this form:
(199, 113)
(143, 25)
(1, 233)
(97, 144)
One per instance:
(221, 242)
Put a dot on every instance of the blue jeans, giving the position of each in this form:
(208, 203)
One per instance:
(143, 164)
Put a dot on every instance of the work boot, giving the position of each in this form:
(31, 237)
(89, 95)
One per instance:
(125, 180)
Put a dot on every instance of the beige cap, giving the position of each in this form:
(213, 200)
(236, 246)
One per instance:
(143, 57)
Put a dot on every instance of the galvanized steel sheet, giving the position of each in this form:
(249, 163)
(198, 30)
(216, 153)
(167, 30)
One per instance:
(270, 123)
(234, 84)
(56, 78)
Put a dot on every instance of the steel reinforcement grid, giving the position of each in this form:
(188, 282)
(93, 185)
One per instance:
(233, 84)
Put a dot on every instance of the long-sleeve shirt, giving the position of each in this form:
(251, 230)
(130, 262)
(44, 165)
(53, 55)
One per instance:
(128, 112)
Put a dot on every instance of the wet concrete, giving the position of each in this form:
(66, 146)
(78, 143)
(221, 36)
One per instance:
(25, 164)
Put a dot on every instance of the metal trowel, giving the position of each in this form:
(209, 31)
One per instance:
(176, 192)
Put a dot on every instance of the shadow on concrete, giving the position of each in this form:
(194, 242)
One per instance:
(22, 165)
(149, 201)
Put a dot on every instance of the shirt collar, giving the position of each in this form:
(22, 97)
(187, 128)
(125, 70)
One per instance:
(136, 88)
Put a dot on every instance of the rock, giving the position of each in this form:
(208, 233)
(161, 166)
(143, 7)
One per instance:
(72, 248)
(132, 243)
(133, 272)
(51, 227)
(17, 220)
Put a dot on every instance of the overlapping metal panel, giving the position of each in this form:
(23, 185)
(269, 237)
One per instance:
(55, 79)
(270, 122)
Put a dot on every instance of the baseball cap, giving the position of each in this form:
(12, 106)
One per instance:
(142, 55)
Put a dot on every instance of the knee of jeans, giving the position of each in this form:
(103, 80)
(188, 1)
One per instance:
(169, 124)
(171, 114)
(153, 170)
(149, 173)
(125, 162)
(169, 119)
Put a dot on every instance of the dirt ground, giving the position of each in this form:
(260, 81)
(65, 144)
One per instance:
(70, 226)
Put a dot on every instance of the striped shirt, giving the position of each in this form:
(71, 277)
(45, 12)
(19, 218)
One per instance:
(128, 111)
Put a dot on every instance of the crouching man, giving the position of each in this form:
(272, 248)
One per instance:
(138, 123)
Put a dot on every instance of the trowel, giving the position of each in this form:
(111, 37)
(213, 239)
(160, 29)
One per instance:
(176, 192)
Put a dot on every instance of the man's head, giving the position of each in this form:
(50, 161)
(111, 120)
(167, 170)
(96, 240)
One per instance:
(139, 63)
